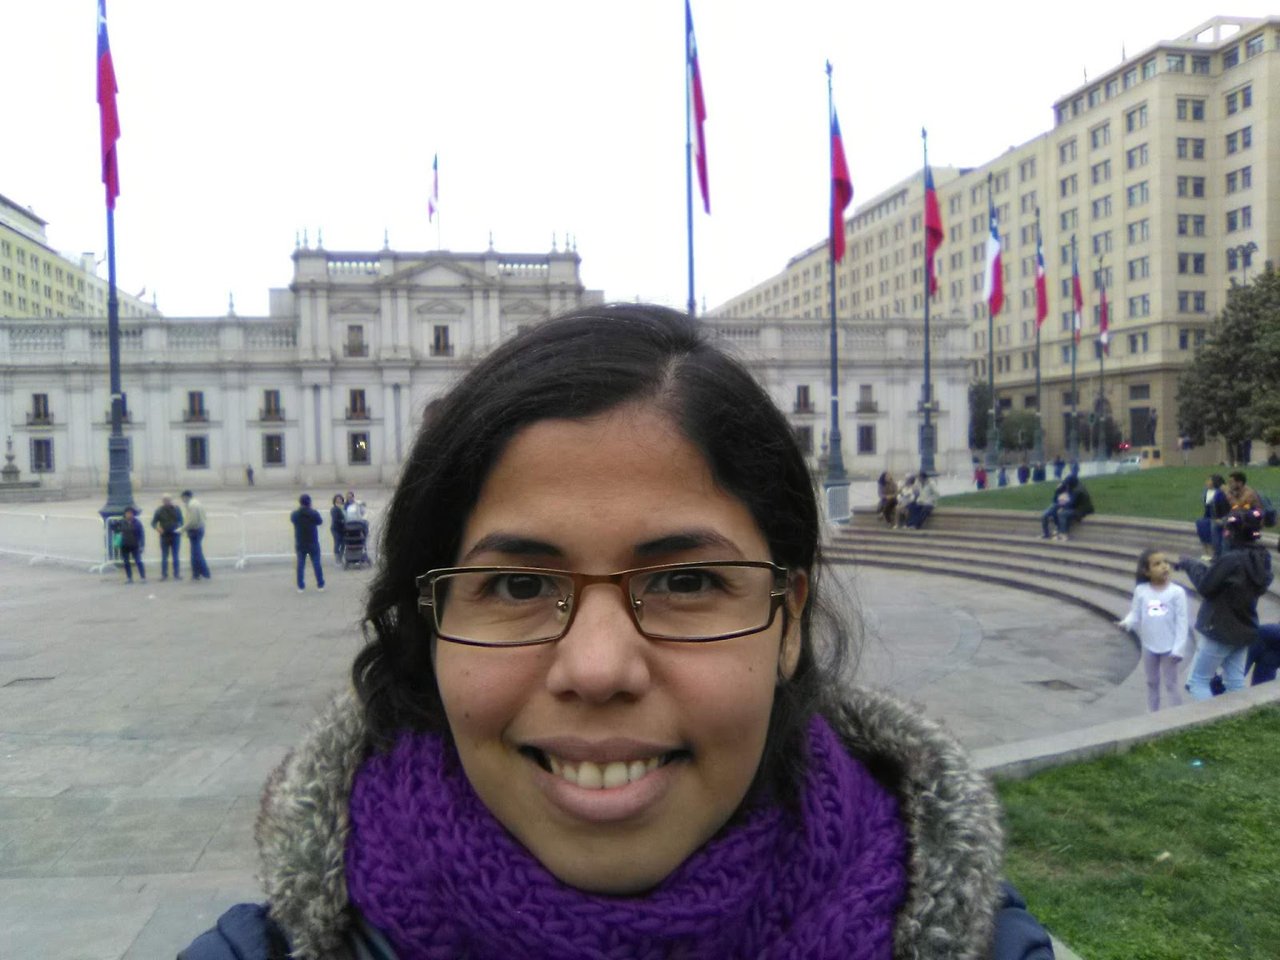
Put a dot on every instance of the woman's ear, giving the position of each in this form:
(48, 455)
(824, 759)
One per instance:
(797, 597)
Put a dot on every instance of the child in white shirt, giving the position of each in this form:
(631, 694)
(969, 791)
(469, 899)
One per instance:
(1158, 615)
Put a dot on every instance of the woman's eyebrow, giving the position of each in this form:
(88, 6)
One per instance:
(513, 545)
(686, 540)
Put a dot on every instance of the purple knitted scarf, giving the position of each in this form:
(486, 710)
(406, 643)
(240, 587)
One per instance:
(430, 867)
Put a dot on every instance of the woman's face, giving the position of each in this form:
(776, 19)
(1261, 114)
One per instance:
(680, 725)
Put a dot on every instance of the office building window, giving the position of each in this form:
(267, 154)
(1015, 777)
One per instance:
(1137, 156)
(1241, 179)
(1230, 57)
(273, 449)
(1241, 219)
(1191, 301)
(1200, 65)
(1191, 187)
(1148, 68)
(1100, 136)
(1102, 207)
(1191, 225)
(1190, 108)
(1102, 242)
(41, 455)
(197, 452)
(1066, 152)
(358, 448)
(1069, 219)
(1139, 268)
(1254, 46)
(1190, 263)
(1138, 342)
(1140, 306)
(1241, 139)
(1238, 100)
(1138, 194)
(1139, 230)
(1068, 186)
(1135, 119)
(1100, 172)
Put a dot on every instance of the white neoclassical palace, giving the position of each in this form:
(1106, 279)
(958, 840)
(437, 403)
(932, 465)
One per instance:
(329, 388)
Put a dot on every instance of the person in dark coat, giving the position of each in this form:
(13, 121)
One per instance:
(306, 540)
(167, 522)
(338, 525)
(1229, 590)
(132, 540)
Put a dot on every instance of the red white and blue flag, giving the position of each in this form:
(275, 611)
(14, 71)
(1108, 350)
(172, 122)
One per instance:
(1104, 337)
(933, 233)
(993, 289)
(697, 106)
(1042, 281)
(841, 189)
(1077, 297)
(433, 201)
(110, 119)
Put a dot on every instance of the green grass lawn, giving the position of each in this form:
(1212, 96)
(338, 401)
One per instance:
(1170, 851)
(1161, 493)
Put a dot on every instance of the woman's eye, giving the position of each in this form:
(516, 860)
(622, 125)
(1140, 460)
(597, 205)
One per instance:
(681, 581)
(521, 586)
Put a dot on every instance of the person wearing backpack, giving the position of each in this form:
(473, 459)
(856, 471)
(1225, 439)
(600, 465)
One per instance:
(1229, 590)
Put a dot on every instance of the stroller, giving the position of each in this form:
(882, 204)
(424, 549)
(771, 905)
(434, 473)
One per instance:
(355, 544)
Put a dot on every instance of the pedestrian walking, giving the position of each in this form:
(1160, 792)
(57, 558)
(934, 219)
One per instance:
(1158, 615)
(194, 527)
(306, 540)
(167, 521)
(132, 540)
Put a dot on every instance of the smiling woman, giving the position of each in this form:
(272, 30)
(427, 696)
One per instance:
(596, 715)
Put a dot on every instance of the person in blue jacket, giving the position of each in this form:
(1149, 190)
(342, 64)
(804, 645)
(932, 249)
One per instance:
(306, 540)
(601, 709)
(132, 540)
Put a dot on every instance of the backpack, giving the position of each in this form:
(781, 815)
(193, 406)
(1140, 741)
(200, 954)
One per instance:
(1084, 503)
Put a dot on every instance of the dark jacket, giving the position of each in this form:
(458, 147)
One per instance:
(337, 518)
(956, 907)
(306, 527)
(131, 533)
(167, 518)
(1230, 586)
(1217, 507)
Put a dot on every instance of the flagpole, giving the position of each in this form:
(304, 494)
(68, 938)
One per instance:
(688, 154)
(119, 487)
(835, 455)
(1073, 438)
(1100, 432)
(927, 440)
(1039, 441)
(993, 435)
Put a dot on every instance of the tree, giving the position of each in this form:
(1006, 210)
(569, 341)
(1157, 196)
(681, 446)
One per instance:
(1018, 430)
(979, 412)
(1229, 389)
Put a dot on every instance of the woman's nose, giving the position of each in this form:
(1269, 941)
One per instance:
(603, 656)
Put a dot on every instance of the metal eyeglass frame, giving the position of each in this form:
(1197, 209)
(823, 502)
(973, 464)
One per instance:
(428, 581)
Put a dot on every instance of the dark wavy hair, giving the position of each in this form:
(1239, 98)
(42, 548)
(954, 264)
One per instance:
(578, 365)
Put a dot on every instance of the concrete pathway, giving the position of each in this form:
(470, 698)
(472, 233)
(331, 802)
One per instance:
(137, 723)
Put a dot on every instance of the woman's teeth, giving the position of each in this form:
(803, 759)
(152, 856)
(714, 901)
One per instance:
(596, 776)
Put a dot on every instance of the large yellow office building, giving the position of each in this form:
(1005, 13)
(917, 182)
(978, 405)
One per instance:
(1159, 170)
(38, 282)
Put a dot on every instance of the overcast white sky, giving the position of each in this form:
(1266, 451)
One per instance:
(245, 122)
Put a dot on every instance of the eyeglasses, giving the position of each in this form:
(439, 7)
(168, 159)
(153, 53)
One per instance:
(522, 606)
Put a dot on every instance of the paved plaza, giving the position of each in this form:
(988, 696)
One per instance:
(137, 723)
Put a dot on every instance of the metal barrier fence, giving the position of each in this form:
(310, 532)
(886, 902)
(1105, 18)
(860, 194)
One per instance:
(231, 539)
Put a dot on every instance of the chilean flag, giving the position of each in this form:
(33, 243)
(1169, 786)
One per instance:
(1077, 297)
(994, 287)
(841, 189)
(110, 120)
(1042, 283)
(932, 229)
(1104, 337)
(697, 106)
(433, 201)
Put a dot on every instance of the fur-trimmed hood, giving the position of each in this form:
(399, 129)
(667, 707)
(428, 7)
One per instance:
(949, 810)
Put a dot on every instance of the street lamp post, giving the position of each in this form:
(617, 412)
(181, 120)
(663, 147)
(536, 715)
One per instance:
(1243, 254)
